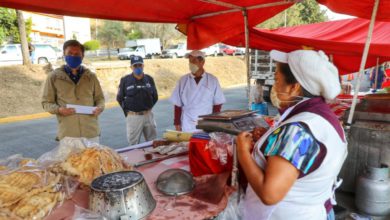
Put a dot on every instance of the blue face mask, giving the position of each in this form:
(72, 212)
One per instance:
(73, 61)
(138, 71)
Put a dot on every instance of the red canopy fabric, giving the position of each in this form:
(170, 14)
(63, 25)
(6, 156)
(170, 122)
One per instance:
(201, 32)
(359, 8)
(343, 39)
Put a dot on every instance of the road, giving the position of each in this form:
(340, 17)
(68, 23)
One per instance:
(33, 138)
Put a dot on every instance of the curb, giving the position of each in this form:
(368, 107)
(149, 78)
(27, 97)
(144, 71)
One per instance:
(47, 115)
(40, 115)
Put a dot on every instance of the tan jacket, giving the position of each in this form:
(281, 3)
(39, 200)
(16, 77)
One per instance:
(60, 90)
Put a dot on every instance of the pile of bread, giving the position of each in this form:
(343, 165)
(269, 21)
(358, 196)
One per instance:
(28, 191)
(31, 190)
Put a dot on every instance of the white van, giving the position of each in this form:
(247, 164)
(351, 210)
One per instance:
(12, 54)
(174, 51)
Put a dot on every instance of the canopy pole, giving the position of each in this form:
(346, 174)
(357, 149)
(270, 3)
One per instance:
(363, 63)
(376, 74)
(248, 72)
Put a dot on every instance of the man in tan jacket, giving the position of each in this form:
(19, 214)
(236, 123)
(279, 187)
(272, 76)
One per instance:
(74, 84)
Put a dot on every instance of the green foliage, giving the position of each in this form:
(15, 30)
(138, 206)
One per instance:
(134, 34)
(9, 26)
(305, 12)
(92, 45)
(111, 34)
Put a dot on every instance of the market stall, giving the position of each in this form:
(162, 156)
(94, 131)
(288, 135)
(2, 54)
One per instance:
(61, 184)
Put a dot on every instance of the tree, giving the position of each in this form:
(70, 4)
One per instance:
(112, 35)
(166, 32)
(23, 38)
(92, 45)
(134, 34)
(9, 31)
(304, 12)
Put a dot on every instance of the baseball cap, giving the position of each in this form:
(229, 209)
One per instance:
(312, 70)
(196, 53)
(136, 60)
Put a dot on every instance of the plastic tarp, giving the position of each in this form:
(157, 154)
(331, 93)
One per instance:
(343, 39)
(201, 31)
(359, 8)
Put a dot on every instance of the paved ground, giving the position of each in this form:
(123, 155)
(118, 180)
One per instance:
(34, 137)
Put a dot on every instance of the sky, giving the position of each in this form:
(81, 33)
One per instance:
(335, 16)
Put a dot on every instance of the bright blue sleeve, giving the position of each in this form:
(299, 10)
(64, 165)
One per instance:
(295, 144)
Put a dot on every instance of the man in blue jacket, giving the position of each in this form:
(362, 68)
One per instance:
(137, 95)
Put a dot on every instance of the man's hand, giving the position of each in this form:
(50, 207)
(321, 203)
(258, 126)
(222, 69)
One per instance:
(178, 127)
(66, 111)
(97, 111)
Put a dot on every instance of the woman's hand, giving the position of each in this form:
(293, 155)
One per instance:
(244, 143)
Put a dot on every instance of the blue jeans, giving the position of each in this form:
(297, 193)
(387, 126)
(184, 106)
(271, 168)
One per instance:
(331, 215)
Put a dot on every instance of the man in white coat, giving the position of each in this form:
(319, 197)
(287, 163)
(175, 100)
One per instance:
(197, 93)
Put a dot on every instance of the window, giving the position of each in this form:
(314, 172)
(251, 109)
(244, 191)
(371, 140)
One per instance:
(11, 49)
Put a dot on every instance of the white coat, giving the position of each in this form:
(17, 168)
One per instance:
(196, 99)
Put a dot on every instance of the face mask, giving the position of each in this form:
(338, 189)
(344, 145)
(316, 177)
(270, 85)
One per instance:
(73, 61)
(138, 71)
(276, 101)
(193, 68)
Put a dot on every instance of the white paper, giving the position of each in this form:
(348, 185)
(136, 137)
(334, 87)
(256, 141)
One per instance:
(82, 109)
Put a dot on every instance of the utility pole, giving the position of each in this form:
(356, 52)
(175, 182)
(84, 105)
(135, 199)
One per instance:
(23, 38)
(96, 29)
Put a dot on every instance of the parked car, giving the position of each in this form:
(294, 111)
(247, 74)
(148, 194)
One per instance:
(227, 50)
(12, 54)
(239, 51)
(174, 51)
(59, 53)
(220, 49)
(213, 50)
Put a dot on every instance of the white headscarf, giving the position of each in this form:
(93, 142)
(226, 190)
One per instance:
(312, 70)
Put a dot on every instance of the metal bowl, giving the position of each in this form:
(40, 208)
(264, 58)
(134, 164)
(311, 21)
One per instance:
(175, 182)
(121, 195)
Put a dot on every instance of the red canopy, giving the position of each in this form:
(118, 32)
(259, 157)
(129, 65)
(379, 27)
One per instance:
(359, 8)
(343, 39)
(205, 21)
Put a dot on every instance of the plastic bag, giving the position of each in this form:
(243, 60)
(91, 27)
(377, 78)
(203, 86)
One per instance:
(232, 210)
(30, 182)
(86, 214)
(173, 148)
(15, 162)
(67, 146)
(83, 159)
(257, 93)
(220, 146)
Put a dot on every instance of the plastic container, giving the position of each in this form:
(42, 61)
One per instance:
(261, 108)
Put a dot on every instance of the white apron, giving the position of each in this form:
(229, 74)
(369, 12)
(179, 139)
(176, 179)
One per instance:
(307, 196)
(196, 99)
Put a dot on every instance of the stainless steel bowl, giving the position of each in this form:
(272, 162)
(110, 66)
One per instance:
(175, 182)
(121, 195)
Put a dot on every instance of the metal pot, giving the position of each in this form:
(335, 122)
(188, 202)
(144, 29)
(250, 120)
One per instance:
(121, 195)
(373, 191)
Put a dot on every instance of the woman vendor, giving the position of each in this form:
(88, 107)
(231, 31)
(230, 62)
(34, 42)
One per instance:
(292, 169)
